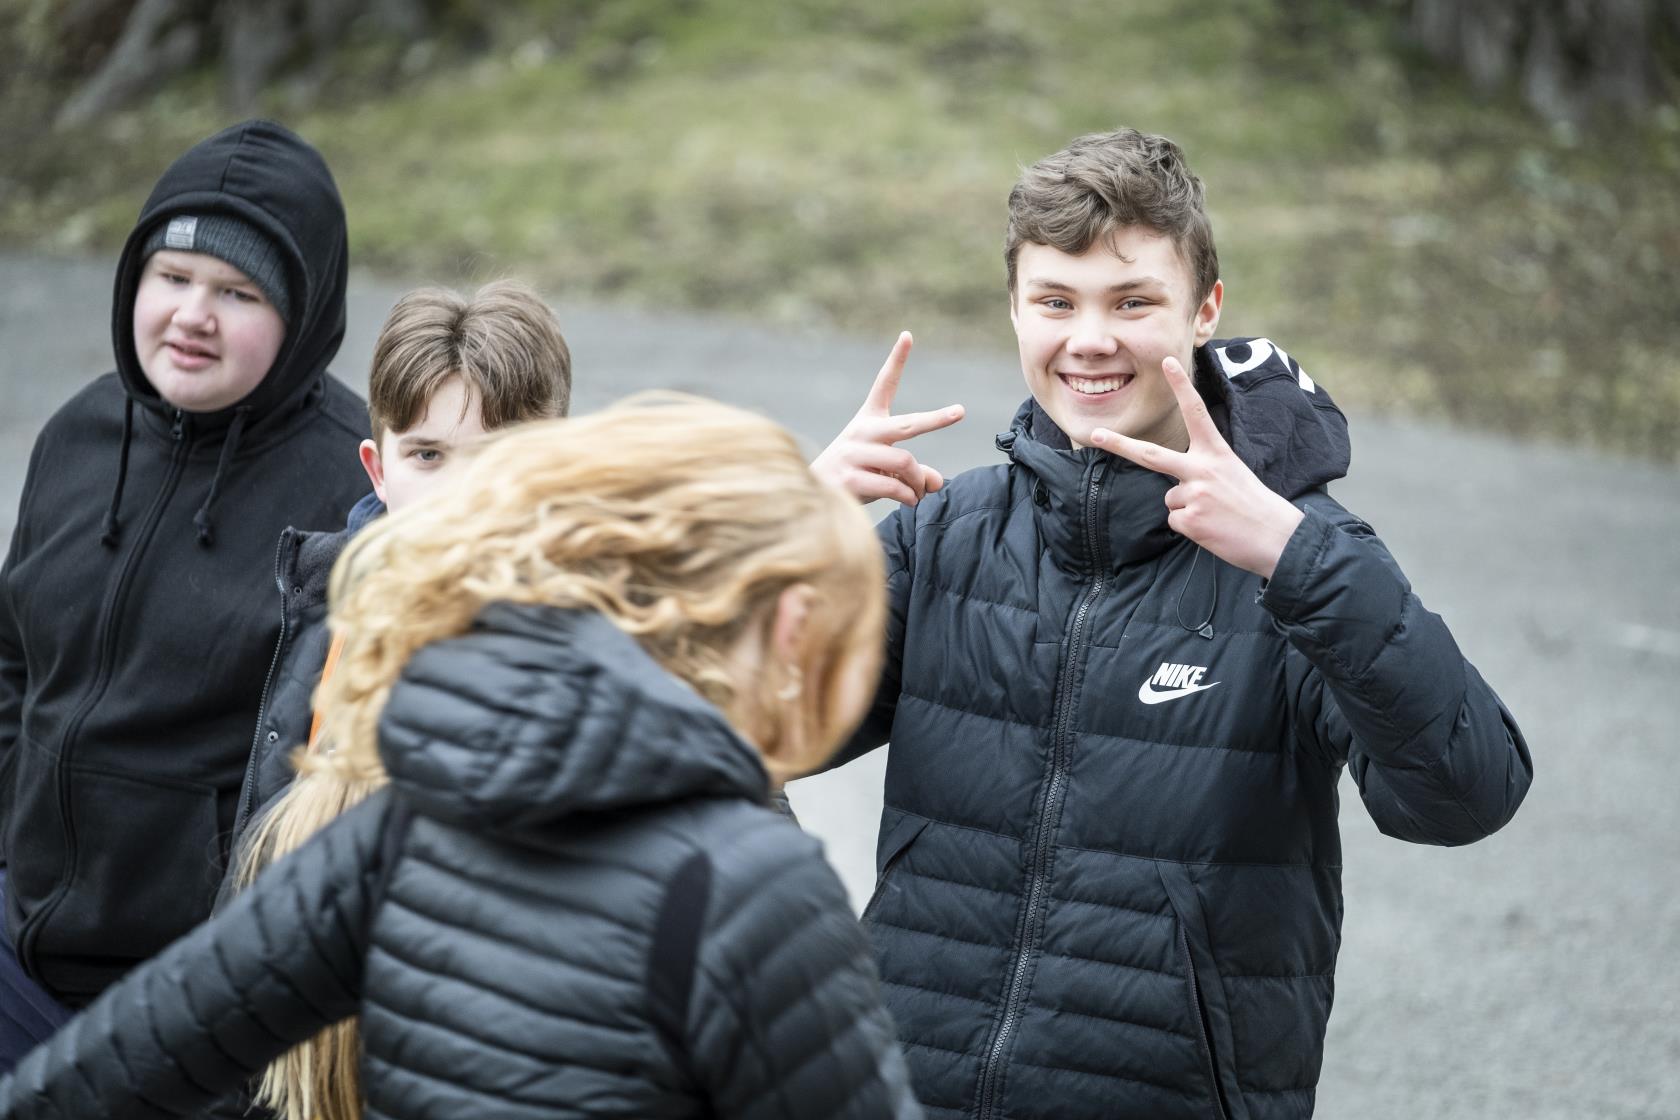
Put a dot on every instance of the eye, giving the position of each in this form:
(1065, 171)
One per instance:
(428, 455)
(244, 296)
(172, 278)
(1056, 303)
(1133, 304)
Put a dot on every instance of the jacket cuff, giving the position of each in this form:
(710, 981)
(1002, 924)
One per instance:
(1284, 594)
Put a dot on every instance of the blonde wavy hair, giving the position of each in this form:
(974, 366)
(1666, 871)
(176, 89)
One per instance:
(680, 520)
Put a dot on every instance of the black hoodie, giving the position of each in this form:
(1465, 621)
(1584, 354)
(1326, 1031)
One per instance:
(136, 616)
(1109, 853)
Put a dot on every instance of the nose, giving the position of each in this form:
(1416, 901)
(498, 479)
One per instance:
(1091, 338)
(194, 312)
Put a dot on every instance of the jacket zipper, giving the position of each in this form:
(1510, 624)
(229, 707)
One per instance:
(1049, 812)
(248, 787)
(1201, 1025)
(30, 932)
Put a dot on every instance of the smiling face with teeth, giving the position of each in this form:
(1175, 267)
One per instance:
(204, 333)
(1093, 329)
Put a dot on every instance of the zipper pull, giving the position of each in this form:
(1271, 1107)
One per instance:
(179, 425)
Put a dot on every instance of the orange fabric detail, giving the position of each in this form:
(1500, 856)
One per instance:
(333, 651)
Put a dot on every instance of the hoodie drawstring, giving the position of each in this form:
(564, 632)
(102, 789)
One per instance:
(1205, 626)
(230, 445)
(111, 533)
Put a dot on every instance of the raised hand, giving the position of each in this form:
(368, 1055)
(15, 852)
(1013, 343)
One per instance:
(1218, 502)
(863, 460)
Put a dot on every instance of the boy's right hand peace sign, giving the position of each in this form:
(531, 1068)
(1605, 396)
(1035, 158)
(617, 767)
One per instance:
(863, 460)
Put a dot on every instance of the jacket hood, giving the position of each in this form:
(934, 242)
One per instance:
(266, 175)
(537, 714)
(1278, 420)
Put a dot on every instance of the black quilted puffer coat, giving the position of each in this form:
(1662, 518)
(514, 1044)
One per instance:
(572, 902)
(1110, 865)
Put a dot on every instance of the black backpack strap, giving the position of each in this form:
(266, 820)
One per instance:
(676, 944)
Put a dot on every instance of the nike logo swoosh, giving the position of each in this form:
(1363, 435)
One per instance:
(1149, 696)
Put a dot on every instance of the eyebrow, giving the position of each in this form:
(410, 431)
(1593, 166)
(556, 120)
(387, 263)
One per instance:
(421, 441)
(169, 261)
(1127, 286)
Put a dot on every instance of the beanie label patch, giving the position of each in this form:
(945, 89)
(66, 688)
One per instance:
(180, 233)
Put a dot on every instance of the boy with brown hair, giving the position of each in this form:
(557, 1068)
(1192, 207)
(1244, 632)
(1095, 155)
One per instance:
(1124, 674)
(447, 370)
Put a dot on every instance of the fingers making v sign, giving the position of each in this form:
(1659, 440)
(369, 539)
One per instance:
(1218, 503)
(864, 460)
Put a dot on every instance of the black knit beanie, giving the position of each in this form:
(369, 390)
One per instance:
(233, 240)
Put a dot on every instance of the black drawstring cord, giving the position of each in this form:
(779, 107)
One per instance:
(111, 532)
(1205, 626)
(230, 445)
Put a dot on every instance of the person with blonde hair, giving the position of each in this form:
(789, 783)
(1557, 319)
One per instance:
(568, 683)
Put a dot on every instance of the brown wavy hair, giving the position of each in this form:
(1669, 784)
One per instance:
(1103, 182)
(680, 520)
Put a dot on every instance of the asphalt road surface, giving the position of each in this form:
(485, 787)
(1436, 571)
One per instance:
(1533, 975)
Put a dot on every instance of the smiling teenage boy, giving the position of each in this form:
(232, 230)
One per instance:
(446, 371)
(1125, 672)
(134, 632)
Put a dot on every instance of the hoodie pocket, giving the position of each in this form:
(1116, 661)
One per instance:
(898, 832)
(1210, 1019)
(8, 766)
(33, 829)
(141, 856)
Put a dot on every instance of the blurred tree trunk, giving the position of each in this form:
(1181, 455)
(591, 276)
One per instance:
(250, 42)
(159, 39)
(1567, 57)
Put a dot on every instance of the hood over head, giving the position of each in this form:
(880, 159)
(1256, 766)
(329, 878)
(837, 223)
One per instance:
(268, 177)
(265, 178)
(537, 714)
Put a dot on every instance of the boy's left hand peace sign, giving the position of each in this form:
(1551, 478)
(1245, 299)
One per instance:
(1218, 502)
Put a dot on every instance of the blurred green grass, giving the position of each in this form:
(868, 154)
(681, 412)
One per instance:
(845, 165)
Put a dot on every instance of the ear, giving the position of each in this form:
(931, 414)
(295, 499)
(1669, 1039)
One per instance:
(374, 466)
(787, 627)
(1207, 315)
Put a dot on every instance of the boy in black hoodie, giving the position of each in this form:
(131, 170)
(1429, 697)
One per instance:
(136, 622)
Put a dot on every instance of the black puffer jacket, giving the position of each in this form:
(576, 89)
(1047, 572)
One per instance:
(303, 564)
(1110, 879)
(590, 912)
(136, 620)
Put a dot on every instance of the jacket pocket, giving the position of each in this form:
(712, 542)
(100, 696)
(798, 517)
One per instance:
(141, 858)
(1210, 1019)
(898, 831)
